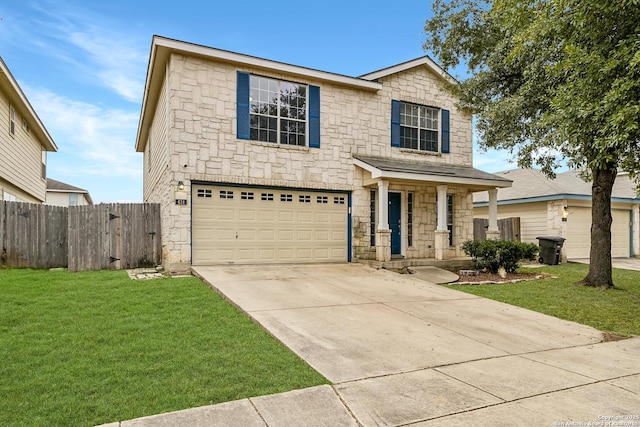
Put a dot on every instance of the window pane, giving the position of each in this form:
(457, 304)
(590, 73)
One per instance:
(292, 132)
(408, 137)
(428, 140)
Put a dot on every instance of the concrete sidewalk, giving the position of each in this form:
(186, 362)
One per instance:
(623, 263)
(402, 351)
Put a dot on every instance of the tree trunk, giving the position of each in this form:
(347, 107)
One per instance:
(600, 257)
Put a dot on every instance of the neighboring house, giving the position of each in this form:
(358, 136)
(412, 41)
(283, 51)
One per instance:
(24, 143)
(257, 161)
(61, 194)
(562, 207)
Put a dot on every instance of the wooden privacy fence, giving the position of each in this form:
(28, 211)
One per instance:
(33, 236)
(509, 228)
(114, 236)
(98, 237)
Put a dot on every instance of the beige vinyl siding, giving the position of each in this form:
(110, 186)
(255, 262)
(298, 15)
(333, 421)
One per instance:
(20, 157)
(533, 218)
(156, 152)
(19, 194)
(57, 198)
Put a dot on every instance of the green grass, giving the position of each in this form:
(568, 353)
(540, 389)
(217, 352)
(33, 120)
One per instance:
(97, 347)
(615, 310)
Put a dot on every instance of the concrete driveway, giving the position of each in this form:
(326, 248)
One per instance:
(400, 351)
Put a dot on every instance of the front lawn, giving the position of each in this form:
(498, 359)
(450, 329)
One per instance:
(97, 347)
(615, 310)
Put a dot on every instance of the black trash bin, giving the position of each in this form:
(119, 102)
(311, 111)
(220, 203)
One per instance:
(550, 247)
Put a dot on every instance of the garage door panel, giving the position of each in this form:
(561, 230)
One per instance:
(247, 215)
(321, 217)
(305, 217)
(225, 214)
(578, 243)
(305, 235)
(286, 216)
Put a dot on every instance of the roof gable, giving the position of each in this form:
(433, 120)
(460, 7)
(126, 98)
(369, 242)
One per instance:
(424, 61)
(17, 97)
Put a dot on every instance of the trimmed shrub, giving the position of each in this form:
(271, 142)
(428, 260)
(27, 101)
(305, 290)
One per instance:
(490, 255)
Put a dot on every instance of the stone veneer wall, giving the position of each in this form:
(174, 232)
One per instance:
(202, 145)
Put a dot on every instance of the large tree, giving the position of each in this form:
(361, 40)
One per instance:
(551, 80)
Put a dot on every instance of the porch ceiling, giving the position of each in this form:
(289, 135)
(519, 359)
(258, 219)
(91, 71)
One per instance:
(408, 170)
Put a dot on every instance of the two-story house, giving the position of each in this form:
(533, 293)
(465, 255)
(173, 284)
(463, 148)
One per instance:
(24, 143)
(257, 161)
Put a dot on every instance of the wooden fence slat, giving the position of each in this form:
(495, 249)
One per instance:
(509, 228)
(79, 237)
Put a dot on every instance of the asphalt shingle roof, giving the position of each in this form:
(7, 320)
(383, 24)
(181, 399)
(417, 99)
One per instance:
(436, 169)
(52, 184)
(532, 183)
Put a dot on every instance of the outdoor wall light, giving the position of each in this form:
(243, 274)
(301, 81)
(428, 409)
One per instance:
(180, 185)
(565, 213)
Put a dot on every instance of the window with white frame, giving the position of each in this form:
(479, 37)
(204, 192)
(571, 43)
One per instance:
(44, 164)
(12, 120)
(278, 111)
(73, 199)
(419, 127)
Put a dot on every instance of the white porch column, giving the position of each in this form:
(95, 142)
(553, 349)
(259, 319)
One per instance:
(442, 233)
(383, 205)
(493, 233)
(383, 233)
(442, 208)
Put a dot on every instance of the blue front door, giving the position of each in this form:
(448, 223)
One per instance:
(394, 223)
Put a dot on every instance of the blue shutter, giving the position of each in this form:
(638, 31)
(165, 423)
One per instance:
(445, 131)
(242, 105)
(314, 116)
(395, 123)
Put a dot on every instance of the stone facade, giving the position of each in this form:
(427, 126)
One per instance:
(192, 138)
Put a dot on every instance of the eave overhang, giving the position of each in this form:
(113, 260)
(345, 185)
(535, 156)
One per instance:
(382, 168)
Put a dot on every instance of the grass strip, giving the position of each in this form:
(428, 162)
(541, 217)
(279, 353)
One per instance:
(615, 310)
(96, 347)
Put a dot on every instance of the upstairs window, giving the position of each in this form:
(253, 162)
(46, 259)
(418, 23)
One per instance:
(44, 164)
(278, 111)
(419, 127)
(12, 120)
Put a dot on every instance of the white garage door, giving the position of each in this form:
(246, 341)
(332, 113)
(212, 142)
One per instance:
(578, 242)
(253, 225)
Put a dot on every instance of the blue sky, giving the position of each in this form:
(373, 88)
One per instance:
(83, 64)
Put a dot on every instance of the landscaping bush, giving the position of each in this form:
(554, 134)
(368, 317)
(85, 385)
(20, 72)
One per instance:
(490, 255)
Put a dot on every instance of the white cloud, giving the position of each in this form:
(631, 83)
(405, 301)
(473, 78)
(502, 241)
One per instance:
(96, 49)
(493, 161)
(98, 142)
(120, 63)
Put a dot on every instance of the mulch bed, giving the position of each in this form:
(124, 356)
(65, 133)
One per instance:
(483, 278)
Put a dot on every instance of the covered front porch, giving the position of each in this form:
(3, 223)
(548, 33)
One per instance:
(422, 210)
